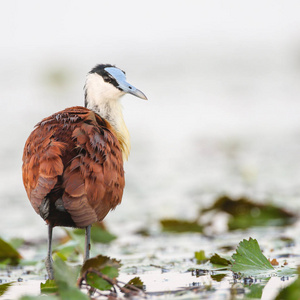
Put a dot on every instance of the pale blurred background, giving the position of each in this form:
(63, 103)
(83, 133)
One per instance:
(222, 79)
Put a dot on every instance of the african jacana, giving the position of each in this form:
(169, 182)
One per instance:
(73, 160)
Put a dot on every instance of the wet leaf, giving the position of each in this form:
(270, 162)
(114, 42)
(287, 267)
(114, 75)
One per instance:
(104, 264)
(49, 287)
(179, 226)
(4, 287)
(245, 213)
(249, 259)
(216, 259)
(8, 253)
(136, 282)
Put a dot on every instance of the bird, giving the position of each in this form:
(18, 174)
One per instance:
(73, 160)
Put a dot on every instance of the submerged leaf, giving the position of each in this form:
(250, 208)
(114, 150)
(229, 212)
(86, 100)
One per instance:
(179, 226)
(249, 259)
(8, 253)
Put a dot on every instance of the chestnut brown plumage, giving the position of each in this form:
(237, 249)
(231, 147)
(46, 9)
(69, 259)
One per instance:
(73, 160)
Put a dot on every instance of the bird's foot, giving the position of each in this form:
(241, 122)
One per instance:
(49, 267)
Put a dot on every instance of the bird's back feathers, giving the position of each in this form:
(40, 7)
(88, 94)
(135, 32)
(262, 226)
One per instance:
(73, 168)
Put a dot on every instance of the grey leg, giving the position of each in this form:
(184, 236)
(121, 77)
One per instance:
(48, 260)
(87, 242)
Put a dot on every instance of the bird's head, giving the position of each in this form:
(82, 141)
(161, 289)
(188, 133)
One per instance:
(105, 83)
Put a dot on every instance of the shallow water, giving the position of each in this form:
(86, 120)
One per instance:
(222, 118)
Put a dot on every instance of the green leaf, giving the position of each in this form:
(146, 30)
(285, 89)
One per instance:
(65, 274)
(100, 263)
(245, 213)
(72, 293)
(49, 287)
(8, 253)
(216, 259)
(42, 297)
(180, 226)
(66, 279)
(200, 256)
(78, 239)
(249, 260)
(98, 234)
(104, 265)
(16, 242)
(218, 277)
(4, 287)
(136, 282)
(255, 291)
(97, 282)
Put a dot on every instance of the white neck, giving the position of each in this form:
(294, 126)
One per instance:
(104, 99)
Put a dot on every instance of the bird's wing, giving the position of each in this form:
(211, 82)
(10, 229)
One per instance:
(95, 177)
(42, 164)
(91, 175)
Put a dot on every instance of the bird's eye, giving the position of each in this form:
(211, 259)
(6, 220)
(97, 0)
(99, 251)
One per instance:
(107, 79)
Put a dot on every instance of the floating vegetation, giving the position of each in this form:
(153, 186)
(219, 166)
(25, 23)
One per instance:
(245, 213)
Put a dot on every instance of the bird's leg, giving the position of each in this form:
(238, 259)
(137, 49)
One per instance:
(87, 242)
(48, 260)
